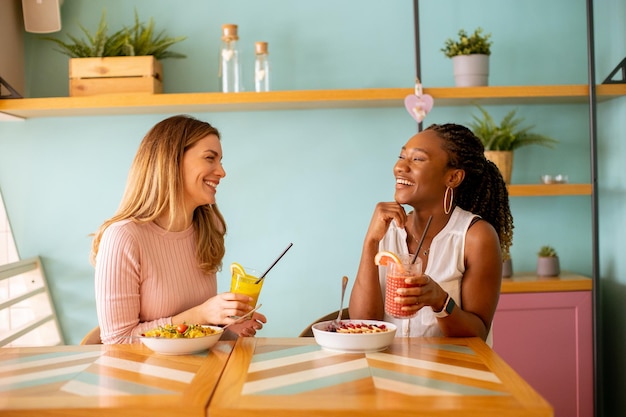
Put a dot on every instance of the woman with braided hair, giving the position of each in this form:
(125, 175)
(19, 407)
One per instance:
(441, 173)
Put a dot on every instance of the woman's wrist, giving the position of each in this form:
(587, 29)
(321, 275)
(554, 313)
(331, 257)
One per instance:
(438, 307)
(188, 316)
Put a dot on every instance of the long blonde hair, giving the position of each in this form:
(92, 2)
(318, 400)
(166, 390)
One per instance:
(155, 187)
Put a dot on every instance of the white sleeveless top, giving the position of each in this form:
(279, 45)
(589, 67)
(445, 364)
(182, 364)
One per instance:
(445, 265)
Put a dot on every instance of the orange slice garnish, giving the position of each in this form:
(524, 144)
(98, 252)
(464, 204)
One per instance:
(385, 258)
(236, 269)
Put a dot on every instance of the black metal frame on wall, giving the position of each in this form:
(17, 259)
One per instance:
(595, 272)
(596, 302)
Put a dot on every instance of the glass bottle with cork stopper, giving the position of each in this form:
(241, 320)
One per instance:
(261, 67)
(230, 71)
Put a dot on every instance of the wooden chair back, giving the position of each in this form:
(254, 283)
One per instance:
(308, 331)
(92, 337)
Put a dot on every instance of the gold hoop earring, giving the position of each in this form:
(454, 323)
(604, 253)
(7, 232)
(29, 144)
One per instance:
(448, 207)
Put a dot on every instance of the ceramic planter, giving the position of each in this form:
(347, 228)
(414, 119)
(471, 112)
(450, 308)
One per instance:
(110, 75)
(504, 162)
(471, 70)
(507, 268)
(548, 266)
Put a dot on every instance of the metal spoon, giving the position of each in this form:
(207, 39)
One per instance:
(344, 284)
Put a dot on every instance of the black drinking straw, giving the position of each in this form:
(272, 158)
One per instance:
(419, 245)
(272, 265)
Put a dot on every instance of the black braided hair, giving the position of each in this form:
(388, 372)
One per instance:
(483, 191)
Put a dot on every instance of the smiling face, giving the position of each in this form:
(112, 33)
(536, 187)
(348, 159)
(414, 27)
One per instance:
(422, 172)
(202, 172)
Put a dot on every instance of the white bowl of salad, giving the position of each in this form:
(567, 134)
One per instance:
(181, 339)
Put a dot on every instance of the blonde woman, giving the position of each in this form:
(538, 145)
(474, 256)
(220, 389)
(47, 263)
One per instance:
(156, 259)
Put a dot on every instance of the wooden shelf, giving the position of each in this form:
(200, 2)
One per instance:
(116, 104)
(530, 282)
(523, 94)
(542, 190)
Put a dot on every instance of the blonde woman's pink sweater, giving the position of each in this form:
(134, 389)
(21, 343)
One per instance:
(144, 276)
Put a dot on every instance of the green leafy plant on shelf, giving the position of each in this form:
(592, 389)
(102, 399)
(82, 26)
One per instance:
(508, 135)
(476, 43)
(141, 39)
(547, 252)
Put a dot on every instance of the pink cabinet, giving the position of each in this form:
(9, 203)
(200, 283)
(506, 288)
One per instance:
(547, 338)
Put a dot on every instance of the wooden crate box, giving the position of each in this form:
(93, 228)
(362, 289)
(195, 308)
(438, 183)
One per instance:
(111, 75)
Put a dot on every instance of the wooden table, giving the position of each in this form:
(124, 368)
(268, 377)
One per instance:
(419, 376)
(265, 377)
(107, 380)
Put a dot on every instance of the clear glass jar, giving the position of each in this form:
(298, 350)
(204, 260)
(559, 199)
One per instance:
(230, 71)
(261, 67)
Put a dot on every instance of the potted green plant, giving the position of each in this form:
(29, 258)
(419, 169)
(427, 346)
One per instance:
(127, 60)
(470, 57)
(548, 262)
(501, 139)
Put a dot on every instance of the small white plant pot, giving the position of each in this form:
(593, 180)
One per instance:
(548, 266)
(471, 70)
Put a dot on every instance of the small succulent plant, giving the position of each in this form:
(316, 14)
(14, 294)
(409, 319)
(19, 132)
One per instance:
(476, 43)
(547, 252)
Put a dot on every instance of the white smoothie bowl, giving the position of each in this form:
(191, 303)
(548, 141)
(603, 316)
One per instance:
(354, 342)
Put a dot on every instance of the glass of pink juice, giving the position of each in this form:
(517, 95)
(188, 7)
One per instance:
(395, 278)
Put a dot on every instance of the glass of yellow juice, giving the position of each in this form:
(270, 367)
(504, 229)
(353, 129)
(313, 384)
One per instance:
(245, 282)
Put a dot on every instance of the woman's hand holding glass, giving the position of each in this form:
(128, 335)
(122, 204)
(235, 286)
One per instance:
(421, 291)
(225, 308)
(408, 289)
(398, 278)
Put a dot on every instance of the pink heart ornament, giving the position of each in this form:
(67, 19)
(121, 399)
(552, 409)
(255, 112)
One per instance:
(418, 107)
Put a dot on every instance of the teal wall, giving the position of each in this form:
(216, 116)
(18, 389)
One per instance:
(312, 177)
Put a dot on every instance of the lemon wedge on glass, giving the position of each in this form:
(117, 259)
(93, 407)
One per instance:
(236, 269)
